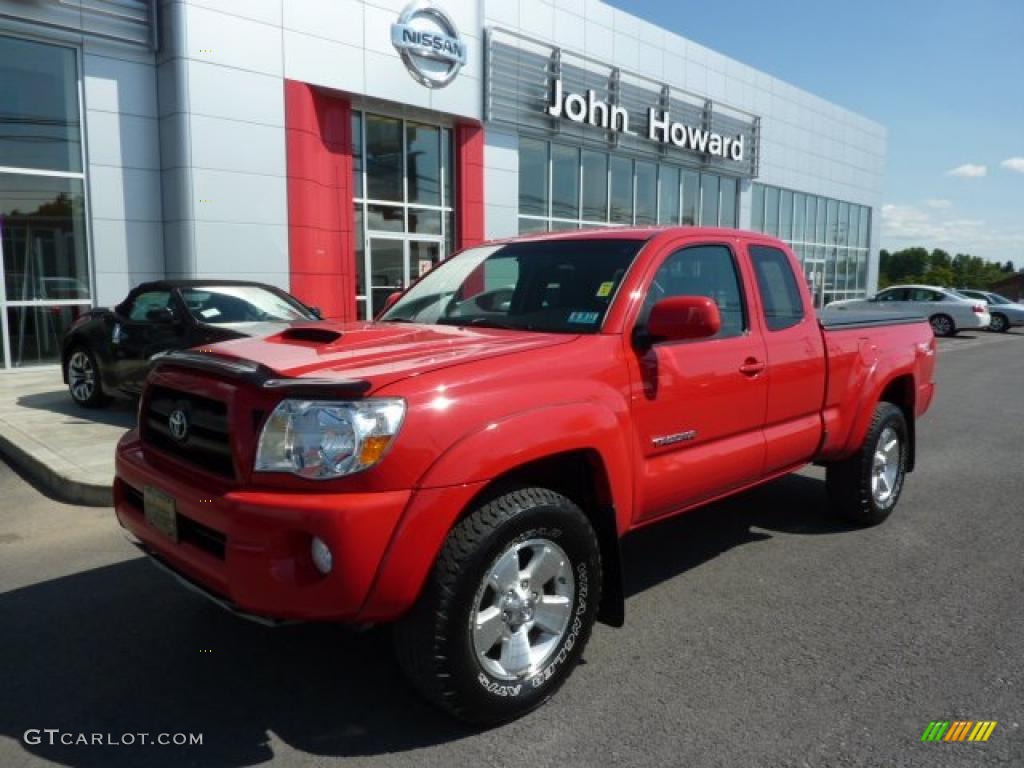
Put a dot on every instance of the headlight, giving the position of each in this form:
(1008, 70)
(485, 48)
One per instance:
(322, 440)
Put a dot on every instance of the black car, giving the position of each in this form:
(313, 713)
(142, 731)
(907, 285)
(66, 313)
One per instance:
(107, 352)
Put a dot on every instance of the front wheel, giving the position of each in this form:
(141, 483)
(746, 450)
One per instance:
(83, 375)
(507, 610)
(999, 323)
(943, 325)
(865, 487)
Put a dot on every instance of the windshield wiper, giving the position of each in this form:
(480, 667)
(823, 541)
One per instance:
(482, 322)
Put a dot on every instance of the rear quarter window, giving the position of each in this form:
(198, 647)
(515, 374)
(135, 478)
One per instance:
(780, 295)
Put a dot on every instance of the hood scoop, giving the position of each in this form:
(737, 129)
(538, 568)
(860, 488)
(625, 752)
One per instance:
(311, 335)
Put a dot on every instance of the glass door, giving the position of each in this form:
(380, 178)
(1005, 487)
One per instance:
(814, 270)
(393, 262)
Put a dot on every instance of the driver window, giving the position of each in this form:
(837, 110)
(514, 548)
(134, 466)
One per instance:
(893, 295)
(148, 302)
(702, 270)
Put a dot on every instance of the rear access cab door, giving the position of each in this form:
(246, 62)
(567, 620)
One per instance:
(795, 355)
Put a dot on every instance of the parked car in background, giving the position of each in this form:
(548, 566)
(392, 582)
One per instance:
(948, 311)
(108, 352)
(1005, 313)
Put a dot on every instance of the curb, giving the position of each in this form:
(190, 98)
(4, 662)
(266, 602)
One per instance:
(53, 483)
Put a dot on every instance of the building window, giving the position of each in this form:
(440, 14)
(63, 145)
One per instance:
(404, 210)
(43, 252)
(563, 187)
(565, 182)
(621, 190)
(830, 237)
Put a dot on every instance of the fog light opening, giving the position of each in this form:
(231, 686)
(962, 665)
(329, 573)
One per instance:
(321, 554)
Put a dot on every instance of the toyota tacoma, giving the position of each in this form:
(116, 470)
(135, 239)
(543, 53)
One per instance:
(465, 466)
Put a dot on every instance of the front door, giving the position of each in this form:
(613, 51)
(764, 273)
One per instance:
(699, 406)
(393, 263)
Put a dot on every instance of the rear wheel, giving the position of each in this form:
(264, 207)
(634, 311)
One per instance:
(999, 323)
(508, 608)
(864, 488)
(943, 325)
(83, 375)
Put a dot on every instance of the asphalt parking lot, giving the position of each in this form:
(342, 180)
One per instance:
(759, 632)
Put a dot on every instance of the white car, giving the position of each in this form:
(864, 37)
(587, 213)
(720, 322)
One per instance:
(948, 311)
(1005, 313)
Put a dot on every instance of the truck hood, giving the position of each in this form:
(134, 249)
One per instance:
(380, 353)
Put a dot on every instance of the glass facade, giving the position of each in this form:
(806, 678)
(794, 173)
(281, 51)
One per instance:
(563, 187)
(43, 251)
(404, 210)
(830, 237)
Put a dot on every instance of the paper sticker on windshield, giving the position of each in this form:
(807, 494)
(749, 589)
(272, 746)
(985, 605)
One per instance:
(210, 313)
(605, 289)
(586, 318)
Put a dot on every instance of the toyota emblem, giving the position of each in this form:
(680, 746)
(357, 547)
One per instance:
(177, 423)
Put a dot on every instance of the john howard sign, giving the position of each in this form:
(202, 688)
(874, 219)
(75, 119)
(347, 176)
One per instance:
(588, 109)
(540, 90)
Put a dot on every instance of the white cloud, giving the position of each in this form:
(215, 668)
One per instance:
(1014, 164)
(938, 204)
(909, 225)
(968, 171)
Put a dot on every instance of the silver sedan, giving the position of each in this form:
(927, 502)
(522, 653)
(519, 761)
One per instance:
(948, 311)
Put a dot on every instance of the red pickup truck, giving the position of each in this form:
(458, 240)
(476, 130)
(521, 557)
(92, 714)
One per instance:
(466, 465)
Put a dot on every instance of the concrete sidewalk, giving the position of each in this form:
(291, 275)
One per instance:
(68, 451)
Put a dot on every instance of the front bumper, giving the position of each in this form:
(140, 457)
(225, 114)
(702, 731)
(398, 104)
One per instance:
(250, 550)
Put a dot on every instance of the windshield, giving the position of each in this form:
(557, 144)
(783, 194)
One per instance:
(560, 286)
(223, 304)
(995, 298)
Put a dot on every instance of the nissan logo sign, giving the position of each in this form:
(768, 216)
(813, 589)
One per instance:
(177, 424)
(429, 44)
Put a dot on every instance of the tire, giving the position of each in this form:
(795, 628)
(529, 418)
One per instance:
(943, 325)
(83, 375)
(861, 489)
(999, 324)
(455, 643)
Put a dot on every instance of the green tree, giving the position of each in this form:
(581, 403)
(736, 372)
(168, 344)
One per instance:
(918, 265)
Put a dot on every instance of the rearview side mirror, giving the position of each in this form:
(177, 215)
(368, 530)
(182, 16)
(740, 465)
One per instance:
(683, 318)
(391, 300)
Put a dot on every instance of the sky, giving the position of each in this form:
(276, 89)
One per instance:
(945, 78)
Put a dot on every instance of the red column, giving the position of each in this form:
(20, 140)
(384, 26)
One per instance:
(469, 198)
(321, 242)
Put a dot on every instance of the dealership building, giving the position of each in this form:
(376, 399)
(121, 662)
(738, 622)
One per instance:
(339, 148)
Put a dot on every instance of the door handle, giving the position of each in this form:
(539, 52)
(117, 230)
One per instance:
(752, 367)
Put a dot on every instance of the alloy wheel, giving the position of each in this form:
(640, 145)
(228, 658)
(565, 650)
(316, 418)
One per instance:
(886, 467)
(81, 376)
(522, 609)
(942, 326)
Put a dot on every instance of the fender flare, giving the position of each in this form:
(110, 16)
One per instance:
(536, 434)
(459, 474)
